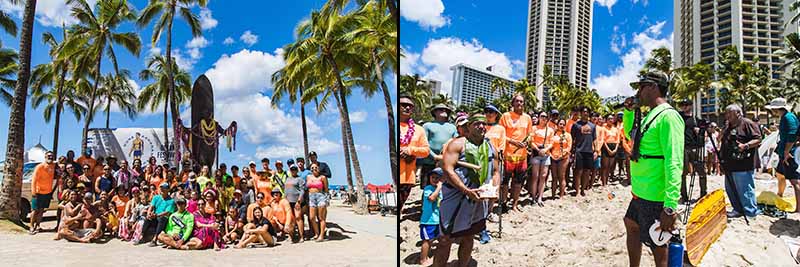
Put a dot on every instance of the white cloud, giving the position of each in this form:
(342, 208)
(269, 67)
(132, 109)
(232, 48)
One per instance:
(408, 61)
(607, 3)
(427, 13)
(154, 51)
(441, 54)
(382, 113)
(48, 12)
(616, 82)
(618, 41)
(245, 73)
(195, 45)
(249, 38)
(184, 63)
(228, 41)
(197, 42)
(206, 21)
(321, 146)
(358, 116)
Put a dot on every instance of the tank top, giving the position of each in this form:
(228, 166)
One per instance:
(106, 184)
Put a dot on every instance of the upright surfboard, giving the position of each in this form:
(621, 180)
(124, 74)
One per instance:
(203, 152)
(706, 224)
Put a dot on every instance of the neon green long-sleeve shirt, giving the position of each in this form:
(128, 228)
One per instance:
(180, 223)
(658, 180)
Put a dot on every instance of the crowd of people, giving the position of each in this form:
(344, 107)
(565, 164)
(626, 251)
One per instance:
(188, 208)
(654, 151)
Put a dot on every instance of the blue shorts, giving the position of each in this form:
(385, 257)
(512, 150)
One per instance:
(597, 163)
(137, 153)
(428, 232)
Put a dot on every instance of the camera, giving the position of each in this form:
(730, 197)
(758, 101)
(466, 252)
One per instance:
(703, 124)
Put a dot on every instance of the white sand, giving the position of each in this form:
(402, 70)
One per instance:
(589, 231)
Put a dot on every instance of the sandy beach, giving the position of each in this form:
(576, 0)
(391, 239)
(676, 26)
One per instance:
(589, 231)
(355, 240)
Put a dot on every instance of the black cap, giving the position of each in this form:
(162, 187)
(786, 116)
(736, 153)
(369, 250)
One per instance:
(554, 112)
(290, 162)
(264, 160)
(657, 77)
(686, 102)
(312, 153)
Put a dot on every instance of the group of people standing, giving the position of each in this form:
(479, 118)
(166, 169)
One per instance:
(193, 208)
(649, 145)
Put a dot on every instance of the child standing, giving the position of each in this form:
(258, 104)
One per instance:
(429, 222)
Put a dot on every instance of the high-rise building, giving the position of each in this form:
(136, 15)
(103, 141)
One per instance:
(704, 28)
(559, 36)
(436, 87)
(470, 83)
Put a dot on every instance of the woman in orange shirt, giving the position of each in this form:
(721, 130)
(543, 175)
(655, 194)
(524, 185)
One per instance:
(542, 141)
(562, 143)
(610, 141)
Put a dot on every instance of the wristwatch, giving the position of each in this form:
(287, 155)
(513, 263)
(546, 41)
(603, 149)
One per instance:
(669, 211)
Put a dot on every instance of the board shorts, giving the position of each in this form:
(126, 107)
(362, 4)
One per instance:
(516, 170)
(41, 201)
(318, 200)
(137, 153)
(473, 230)
(644, 213)
(428, 232)
(584, 161)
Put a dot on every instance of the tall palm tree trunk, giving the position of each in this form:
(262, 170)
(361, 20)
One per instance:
(90, 116)
(361, 206)
(393, 10)
(345, 146)
(387, 99)
(172, 100)
(305, 131)
(12, 178)
(166, 143)
(59, 109)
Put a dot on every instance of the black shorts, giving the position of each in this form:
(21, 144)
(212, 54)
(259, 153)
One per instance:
(644, 213)
(607, 154)
(789, 171)
(584, 161)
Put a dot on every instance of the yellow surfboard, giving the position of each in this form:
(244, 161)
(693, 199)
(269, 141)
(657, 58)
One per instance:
(706, 224)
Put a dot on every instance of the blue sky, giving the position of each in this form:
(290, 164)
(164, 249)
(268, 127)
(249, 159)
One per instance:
(239, 51)
(436, 34)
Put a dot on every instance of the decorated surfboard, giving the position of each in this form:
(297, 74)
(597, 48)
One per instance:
(203, 148)
(706, 224)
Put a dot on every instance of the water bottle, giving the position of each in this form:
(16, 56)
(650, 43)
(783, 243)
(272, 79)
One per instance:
(675, 256)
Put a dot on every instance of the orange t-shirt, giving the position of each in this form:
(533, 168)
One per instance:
(252, 207)
(42, 181)
(518, 126)
(568, 126)
(541, 136)
(119, 203)
(562, 144)
(236, 181)
(264, 185)
(612, 134)
(418, 147)
(497, 136)
(156, 181)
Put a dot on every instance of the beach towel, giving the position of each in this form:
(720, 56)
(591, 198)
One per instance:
(771, 199)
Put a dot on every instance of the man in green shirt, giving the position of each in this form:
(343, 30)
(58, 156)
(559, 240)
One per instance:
(179, 227)
(656, 166)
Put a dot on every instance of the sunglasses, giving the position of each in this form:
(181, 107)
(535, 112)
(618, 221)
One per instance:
(259, 197)
(406, 105)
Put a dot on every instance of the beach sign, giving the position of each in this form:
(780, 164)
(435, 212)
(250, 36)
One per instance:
(706, 224)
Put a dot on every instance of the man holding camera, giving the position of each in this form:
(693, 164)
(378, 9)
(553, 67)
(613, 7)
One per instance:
(693, 147)
(657, 156)
(739, 158)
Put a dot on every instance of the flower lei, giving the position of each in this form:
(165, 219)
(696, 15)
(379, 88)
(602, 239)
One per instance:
(409, 134)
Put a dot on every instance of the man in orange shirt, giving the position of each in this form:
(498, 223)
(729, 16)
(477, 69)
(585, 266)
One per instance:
(413, 145)
(86, 159)
(41, 190)
(518, 128)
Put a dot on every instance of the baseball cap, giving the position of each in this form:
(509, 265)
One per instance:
(293, 167)
(180, 201)
(237, 192)
(164, 185)
(461, 120)
(278, 162)
(312, 153)
(437, 171)
(656, 77)
(276, 190)
(251, 163)
(290, 162)
(554, 112)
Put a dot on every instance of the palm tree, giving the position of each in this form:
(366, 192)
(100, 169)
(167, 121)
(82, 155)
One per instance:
(157, 93)
(117, 89)
(96, 32)
(328, 56)
(8, 68)
(12, 178)
(660, 59)
(529, 92)
(54, 75)
(790, 53)
(793, 7)
(377, 35)
(690, 81)
(420, 92)
(501, 86)
(168, 9)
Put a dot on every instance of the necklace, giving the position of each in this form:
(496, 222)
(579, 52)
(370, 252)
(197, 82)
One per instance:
(409, 134)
